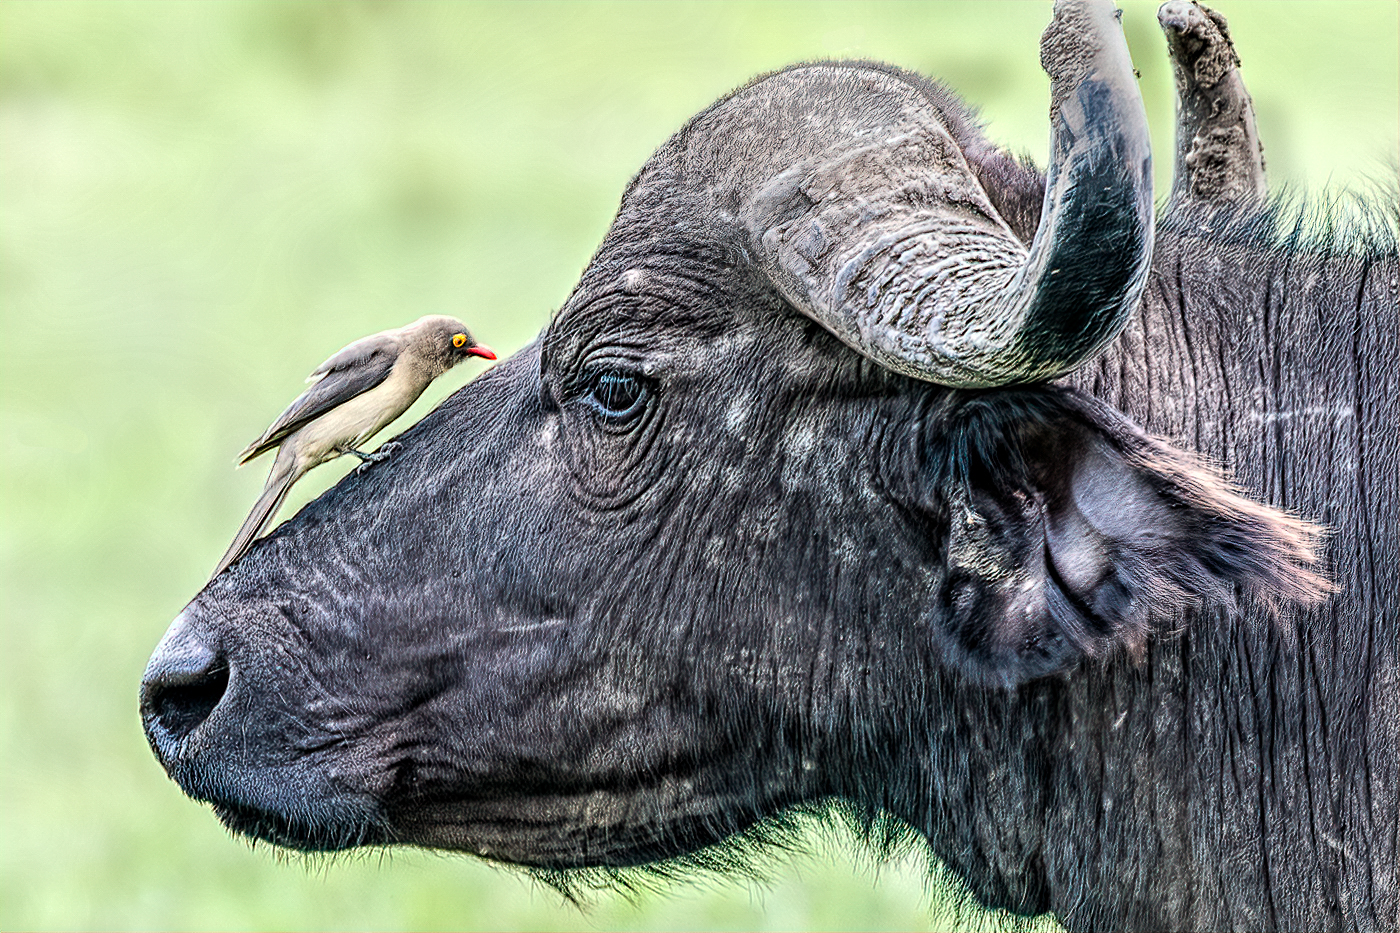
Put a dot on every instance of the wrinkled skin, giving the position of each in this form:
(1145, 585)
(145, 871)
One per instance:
(564, 630)
(1263, 759)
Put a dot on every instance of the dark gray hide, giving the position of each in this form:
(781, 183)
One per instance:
(690, 560)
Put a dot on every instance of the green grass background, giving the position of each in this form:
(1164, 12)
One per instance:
(199, 202)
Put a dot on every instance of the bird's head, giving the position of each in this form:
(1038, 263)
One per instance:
(446, 340)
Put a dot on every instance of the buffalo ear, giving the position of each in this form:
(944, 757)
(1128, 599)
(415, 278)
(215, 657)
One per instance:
(1070, 534)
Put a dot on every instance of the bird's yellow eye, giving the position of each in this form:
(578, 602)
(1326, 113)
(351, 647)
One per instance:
(459, 340)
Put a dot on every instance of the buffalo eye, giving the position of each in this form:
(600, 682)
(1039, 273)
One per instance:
(617, 396)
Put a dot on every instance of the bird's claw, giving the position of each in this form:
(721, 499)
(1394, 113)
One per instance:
(368, 460)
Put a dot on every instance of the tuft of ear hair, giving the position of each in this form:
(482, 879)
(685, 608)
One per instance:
(1069, 533)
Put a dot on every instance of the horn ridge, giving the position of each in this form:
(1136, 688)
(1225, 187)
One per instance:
(886, 237)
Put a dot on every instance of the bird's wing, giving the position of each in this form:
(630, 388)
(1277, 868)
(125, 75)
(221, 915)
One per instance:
(355, 370)
(359, 353)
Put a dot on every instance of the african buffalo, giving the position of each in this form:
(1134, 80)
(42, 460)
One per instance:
(836, 483)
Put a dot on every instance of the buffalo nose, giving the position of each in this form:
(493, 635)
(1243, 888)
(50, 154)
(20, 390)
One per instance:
(184, 681)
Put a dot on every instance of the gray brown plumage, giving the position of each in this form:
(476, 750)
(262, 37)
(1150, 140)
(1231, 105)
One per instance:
(353, 396)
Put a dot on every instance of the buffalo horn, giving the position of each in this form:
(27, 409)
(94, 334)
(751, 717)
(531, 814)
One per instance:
(892, 244)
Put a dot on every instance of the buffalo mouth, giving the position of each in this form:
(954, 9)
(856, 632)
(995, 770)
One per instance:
(303, 835)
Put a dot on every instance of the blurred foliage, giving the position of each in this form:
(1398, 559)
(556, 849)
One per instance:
(198, 203)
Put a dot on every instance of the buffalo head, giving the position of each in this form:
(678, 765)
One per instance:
(780, 493)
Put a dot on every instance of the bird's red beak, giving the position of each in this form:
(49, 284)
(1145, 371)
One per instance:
(483, 351)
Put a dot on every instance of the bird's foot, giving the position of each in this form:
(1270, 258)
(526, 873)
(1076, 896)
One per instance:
(368, 460)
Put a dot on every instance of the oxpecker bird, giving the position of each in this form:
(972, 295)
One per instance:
(353, 396)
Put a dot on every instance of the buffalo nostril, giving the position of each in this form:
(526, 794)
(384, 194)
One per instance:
(178, 708)
(184, 682)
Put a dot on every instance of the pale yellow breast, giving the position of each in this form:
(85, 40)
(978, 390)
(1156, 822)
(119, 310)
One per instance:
(365, 415)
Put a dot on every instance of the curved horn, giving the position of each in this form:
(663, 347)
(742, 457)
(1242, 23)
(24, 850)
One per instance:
(892, 244)
(1218, 154)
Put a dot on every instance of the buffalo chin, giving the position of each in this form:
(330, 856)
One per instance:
(333, 830)
(567, 832)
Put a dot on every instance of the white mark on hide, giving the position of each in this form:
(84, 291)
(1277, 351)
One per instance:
(847, 548)
(530, 626)
(798, 445)
(742, 342)
(714, 551)
(737, 415)
(729, 344)
(526, 463)
(633, 280)
(1340, 412)
(800, 441)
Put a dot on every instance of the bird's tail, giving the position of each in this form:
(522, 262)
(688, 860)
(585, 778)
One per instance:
(279, 483)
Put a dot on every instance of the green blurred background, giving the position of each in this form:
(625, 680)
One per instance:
(199, 202)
